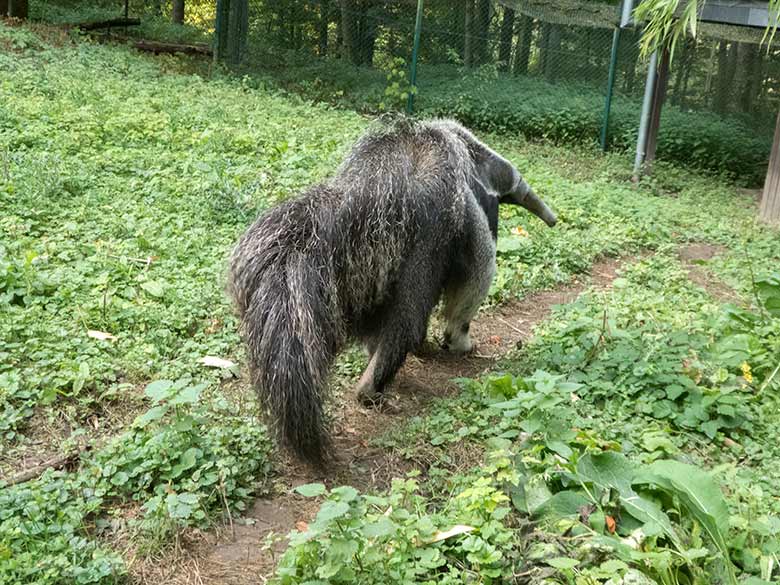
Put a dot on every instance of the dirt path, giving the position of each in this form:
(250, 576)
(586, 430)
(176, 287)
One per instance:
(694, 257)
(237, 556)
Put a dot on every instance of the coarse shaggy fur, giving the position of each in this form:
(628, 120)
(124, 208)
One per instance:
(409, 216)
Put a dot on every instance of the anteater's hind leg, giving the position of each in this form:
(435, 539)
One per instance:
(404, 323)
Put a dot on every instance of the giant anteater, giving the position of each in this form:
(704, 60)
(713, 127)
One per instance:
(409, 217)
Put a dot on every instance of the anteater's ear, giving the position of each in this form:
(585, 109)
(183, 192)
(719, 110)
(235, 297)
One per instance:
(488, 201)
(499, 176)
(498, 172)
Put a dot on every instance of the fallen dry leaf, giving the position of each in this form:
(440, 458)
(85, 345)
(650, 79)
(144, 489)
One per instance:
(301, 526)
(454, 531)
(215, 362)
(101, 335)
(494, 340)
(611, 524)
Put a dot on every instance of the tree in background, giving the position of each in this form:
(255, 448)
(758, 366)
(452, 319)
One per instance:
(178, 12)
(14, 8)
(507, 32)
(664, 29)
(525, 32)
(359, 27)
(231, 27)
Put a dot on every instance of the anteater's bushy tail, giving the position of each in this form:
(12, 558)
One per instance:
(281, 280)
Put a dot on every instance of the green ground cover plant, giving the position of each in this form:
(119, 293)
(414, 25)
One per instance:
(125, 180)
(511, 105)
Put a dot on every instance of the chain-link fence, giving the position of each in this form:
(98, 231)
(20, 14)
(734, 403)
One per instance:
(532, 67)
(523, 66)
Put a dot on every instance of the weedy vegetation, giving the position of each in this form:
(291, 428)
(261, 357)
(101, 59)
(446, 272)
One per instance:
(632, 440)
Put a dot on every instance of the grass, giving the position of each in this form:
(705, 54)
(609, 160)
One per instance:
(125, 180)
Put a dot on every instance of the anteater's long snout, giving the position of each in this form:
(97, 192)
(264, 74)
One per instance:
(539, 208)
(524, 195)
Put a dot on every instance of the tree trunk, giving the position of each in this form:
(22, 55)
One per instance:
(749, 72)
(339, 37)
(237, 30)
(523, 47)
(322, 28)
(727, 66)
(542, 43)
(507, 32)
(680, 87)
(178, 12)
(18, 8)
(553, 53)
(659, 95)
(468, 34)
(366, 34)
(482, 41)
(222, 30)
(3, 7)
(770, 201)
(349, 30)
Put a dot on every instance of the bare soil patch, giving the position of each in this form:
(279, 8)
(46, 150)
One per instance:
(694, 257)
(237, 556)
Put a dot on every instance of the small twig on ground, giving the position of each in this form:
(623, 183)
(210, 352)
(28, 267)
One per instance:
(768, 381)
(759, 304)
(227, 507)
(508, 324)
(145, 261)
(602, 337)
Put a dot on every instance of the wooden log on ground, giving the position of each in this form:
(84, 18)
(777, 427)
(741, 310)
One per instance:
(113, 23)
(157, 48)
(34, 472)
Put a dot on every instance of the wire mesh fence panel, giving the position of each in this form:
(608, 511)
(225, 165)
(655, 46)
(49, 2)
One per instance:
(721, 100)
(514, 66)
(340, 51)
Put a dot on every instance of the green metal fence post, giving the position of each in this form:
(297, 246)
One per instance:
(610, 85)
(415, 49)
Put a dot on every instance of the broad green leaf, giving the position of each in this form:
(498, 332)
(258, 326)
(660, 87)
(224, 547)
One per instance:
(120, 478)
(154, 288)
(311, 490)
(151, 415)
(649, 512)
(158, 389)
(330, 511)
(345, 493)
(562, 562)
(536, 493)
(699, 494)
(733, 350)
(186, 461)
(188, 395)
(382, 527)
(607, 470)
(560, 448)
(564, 504)
(769, 290)
(507, 244)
